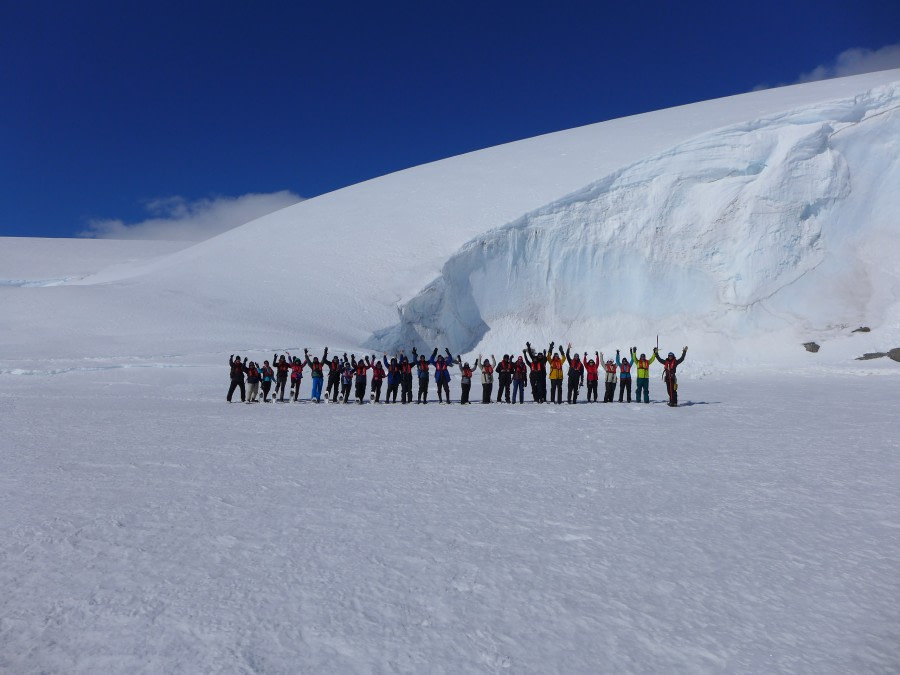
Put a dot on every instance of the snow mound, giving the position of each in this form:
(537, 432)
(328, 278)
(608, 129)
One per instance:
(760, 227)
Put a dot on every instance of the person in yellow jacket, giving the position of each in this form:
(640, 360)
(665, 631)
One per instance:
(643, 374)
(555, 364)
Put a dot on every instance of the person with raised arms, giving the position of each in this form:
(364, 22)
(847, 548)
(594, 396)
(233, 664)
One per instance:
(591, 369)
(670, 366)
(538, 375)
(465, 380)
(576, 376)
(359, 370)
(334, 379)
(624, 376)
(394, 375)
(442, 375)
(610, 380)
(317, 373)
(282, 368)
(643, 374)
(424, 374)
(378, 376)
(238, 368)
(555, 364)
(487, 377)
(268, 376)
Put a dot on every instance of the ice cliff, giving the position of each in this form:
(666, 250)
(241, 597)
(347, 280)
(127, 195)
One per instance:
(784, 223)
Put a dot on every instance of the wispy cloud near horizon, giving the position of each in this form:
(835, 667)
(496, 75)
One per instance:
(855, 62)
(177, 219)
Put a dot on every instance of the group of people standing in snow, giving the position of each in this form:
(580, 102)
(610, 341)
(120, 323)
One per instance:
(348, 377)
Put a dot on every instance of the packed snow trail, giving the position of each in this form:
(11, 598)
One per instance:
(147, 526)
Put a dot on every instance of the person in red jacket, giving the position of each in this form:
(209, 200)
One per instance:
(296, 376)
(591, 369)
(670, 365)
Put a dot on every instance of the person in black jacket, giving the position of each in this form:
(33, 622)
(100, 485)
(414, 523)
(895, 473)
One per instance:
(282, 368)
(670, 365)
(237, 377)
(465, 380)
(360, 369)
(538, 375)
(406, 379)
(424, 374)
(504, 378)
(334, 379)
(576, 376)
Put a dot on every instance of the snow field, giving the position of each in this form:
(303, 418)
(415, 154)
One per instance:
(147, 526)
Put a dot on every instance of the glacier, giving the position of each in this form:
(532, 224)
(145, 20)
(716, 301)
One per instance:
(709, 237)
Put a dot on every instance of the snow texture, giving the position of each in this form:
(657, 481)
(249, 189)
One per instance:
(149, 527)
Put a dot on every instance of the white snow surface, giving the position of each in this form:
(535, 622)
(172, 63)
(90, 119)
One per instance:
(146, 526)
(149, 527)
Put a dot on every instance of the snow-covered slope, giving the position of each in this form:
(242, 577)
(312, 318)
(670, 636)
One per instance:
(678, 222)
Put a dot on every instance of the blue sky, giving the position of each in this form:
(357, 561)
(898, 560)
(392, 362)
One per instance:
(113, 113)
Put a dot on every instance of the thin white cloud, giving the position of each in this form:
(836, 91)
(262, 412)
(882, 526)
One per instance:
(855, 62)
(176, 219)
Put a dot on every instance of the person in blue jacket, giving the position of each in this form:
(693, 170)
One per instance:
(394, 375)
(423, 373)
(347, 372)
(442, 375)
